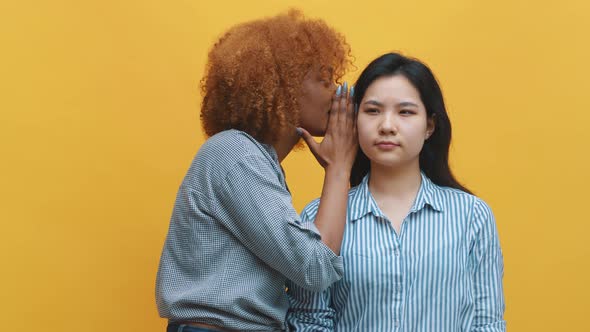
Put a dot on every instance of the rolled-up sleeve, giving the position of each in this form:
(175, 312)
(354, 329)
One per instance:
(309, 311)
(488, 269)
(257, 209)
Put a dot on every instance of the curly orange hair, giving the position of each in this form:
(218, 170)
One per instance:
(255, 71)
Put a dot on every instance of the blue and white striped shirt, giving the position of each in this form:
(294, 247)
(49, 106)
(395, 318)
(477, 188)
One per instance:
(442, 272)
(235, 238)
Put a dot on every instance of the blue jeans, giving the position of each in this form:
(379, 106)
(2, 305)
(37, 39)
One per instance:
(173, 327)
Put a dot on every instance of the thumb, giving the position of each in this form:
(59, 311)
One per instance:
(314, 146)
(311, 143)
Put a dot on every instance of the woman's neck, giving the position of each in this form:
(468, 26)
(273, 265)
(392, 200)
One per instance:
(398, 183)
(286, 143)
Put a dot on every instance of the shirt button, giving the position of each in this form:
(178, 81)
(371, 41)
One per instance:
(397, 323)
(397, 252)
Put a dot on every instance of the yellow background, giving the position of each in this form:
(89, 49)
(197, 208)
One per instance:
(99, 122)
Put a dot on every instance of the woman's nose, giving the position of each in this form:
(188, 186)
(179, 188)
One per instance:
(388, 124)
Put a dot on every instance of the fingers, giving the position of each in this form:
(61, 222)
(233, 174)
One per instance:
(338, 109)
(347, 116)
(350, 109)
(342, 103)
(343, 98)
(334, 109)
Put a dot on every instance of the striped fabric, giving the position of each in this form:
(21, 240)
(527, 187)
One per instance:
(443, 272)
(234, 238)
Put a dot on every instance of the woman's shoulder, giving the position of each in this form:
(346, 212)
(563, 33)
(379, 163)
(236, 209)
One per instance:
(226, 152)
(311, 209)
(449, 195)
(231, 141)
(229, 147)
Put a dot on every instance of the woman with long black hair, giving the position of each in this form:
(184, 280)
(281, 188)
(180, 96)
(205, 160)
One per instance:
(421, 253)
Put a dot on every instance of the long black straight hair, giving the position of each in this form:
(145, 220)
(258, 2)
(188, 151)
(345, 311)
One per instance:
(434, 157)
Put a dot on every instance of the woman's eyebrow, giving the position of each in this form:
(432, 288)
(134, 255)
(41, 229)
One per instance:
(373, 102)
(401, 104)
(407, 103)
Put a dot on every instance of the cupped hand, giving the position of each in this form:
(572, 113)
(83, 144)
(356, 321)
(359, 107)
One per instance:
(340, 144)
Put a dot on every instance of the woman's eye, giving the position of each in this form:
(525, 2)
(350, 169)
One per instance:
(371, 110)
(406, 112)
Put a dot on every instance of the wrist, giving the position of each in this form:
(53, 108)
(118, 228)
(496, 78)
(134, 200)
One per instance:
(338, 171)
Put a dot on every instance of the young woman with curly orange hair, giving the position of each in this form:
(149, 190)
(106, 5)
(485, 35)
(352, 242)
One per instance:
(234, 236)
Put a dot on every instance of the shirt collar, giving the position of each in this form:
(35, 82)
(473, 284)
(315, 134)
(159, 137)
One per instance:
(362, 202)
(427, 195)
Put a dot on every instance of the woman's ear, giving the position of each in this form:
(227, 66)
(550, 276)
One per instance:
(430, 127)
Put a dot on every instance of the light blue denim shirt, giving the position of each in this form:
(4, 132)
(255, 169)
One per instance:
(234, 239)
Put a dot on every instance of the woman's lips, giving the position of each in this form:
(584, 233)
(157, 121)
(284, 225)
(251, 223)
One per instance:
(387, 145)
